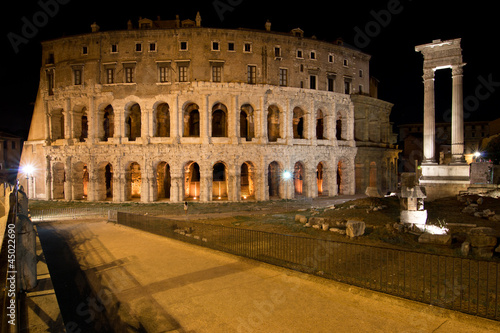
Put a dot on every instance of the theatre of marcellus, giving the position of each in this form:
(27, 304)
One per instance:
(171, 110)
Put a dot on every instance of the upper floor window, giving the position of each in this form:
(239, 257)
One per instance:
(247, 47)
(183, 72)
(129, 70)
(77, 76)
(152, 47)
(346, 62)
(50, 81)
(300, 54)
(312, 55)
(277, 52)
(138, 47)
(163, 72)
(252, 74)
(216, 73)
(183, 46)
(114, 48)
(230, 46)
(215, 46)
(85, 50)
(110, 75)
(283, 77)
(312, 81)
(360, 73)
(331, 58)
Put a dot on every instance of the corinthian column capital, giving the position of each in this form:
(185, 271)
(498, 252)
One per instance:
(457, 70)
(428, 74)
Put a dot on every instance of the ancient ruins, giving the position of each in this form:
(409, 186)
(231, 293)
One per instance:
(171, 110)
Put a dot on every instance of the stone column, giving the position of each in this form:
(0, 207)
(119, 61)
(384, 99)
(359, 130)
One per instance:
(457, 116)
(429, 118)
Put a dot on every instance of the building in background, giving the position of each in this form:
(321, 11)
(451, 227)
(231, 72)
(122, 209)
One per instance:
(10, 154)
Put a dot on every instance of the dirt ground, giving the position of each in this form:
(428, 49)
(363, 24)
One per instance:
(279, 217)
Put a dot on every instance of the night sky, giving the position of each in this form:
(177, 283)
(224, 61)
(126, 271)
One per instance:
(392, 30)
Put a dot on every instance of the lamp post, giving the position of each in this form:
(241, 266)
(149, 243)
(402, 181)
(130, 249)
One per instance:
(28, 171)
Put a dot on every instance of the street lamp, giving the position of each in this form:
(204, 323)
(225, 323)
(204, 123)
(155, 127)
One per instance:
(28, 170)
(286, 176)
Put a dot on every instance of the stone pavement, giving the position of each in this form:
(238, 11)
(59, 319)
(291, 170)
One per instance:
(150, 283)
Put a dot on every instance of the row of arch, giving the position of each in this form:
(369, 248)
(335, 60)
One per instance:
(79, 182)
(191, 124)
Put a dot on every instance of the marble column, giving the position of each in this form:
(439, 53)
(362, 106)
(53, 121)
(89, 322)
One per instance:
(429, 118)
(457, 116)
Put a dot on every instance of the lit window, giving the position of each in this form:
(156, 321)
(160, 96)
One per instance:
(129, 74)
(163, 72)
(77, 76)
(216, 73)
(183, 73)
(110, 75)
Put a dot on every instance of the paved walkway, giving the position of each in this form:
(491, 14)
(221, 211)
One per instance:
(155, 284)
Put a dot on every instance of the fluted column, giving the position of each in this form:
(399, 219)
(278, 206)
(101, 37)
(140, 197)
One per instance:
(457, 116)
(429, 118)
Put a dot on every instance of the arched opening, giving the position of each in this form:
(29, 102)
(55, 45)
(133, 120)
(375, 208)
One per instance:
(246, 122)
(247, 181)
(164, 180)
(134, 181)
(85, 128)
(191, 121)
(273, 123)
(133, 122)
(321, 184)
(58, 180)
(219, 121)
(192, 181)
(298, 123)
(298, 179)
(273, 180)
(162, 120)
(319, 125)
(339, 128)
(219, 182)
(57, 124)
(108, 179)
(80, 181)
(108, 123)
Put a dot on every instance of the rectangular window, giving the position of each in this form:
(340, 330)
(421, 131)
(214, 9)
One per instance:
(360, 89)
(252, 74)
(312, 81)
(347, 87)
(215, 46)
(50, 82)
(85, 50)
(360, 73)
(183, 46)
(331, 84)
(129, 74)
(230, 46)
(331, 58)
(346, 62)
(183, 73)
(216, 73)
(247, 47)
(277, 52)
(299, 54)
(152, 47)
(283, 77)
(114, 48)
(138, 47)
(77, 75)
(163, 72)
(313, 55)
(110, 75)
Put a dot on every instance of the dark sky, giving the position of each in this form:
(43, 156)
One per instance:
(394, 28)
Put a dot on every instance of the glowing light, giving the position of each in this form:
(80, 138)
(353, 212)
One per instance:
(28, 169)
(244, 197)
(287, 175)
(436, 230)
(477, 154)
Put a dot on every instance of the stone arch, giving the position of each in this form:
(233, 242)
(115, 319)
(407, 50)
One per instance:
(273, 123)
(299, 123)
(133, 181)
(247, 180)
(80, 181)
(341, 125)
(219, 120)
(322, 179)
(80, 123)
(192, 178)
(162, 120)
(164, 180)
(133, 121)
(104, 184)
(274, 180)
(191, 120)
(320, 125)
(299, 179)
(219, 181)
(247, 125)
(107, 123)
(58, 180)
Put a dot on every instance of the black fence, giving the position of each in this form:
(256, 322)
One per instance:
(466, 285)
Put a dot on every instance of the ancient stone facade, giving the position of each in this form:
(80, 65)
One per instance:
(193, 113)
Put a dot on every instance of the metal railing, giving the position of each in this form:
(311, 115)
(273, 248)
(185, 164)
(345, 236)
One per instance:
(462, 284)
(40, 215)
